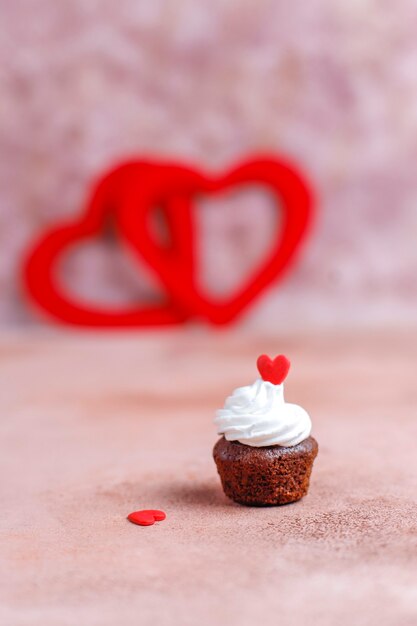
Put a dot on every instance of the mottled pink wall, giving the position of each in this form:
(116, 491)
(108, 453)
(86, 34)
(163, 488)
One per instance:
(330, 84)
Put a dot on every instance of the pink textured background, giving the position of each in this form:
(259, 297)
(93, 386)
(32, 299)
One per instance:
(331, 85)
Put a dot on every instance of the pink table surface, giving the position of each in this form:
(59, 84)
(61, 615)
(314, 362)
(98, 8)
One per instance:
(95, 426)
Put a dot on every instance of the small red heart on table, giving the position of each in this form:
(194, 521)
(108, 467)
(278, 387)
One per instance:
(273, 370)
(146, 518)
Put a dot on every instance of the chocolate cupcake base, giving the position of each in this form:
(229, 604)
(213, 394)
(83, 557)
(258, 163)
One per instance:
(265, 476)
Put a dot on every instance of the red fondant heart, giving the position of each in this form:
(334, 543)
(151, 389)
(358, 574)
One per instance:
(147, 517)
(274, 371)
(184, 183)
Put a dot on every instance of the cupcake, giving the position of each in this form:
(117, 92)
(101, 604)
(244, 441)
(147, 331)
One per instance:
(265, 455)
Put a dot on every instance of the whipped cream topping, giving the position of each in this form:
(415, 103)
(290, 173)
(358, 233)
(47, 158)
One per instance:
(257, 415)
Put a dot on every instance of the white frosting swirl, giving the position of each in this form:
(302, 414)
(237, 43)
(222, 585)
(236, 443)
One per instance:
(257, 415)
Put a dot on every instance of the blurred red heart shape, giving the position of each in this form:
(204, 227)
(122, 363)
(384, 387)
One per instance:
(130, 194)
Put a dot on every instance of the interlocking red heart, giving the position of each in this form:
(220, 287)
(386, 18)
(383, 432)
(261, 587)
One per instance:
(130, 195)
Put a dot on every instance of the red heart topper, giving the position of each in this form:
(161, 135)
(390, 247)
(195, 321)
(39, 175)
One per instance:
(130, 194)
(274, 371)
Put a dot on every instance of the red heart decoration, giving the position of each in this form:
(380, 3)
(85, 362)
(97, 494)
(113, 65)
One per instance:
(146, 517)
(130, 194)
(183, 183)
(39, 269)
(274, 371)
